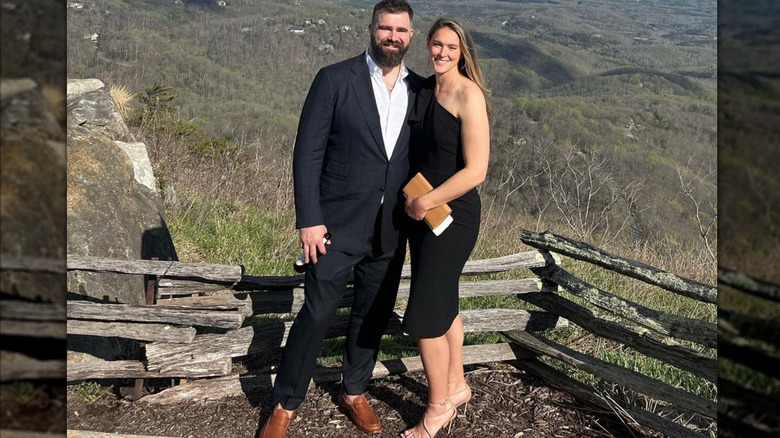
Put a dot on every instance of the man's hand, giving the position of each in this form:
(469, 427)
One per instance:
(312, 242)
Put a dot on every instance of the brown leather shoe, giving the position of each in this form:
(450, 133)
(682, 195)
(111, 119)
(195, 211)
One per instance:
(361, 413)
(277, 424)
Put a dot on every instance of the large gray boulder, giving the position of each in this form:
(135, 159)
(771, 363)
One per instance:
(113, 209)
(90, 106)
(32, 189)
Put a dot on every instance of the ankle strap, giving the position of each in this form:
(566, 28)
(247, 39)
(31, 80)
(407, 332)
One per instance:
(444, 403)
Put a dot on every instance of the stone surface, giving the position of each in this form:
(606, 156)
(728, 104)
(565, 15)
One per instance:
(90, 105)
(142, 167)
(113, 209)
(10, 87)
(76, 87)
(24, 108)
(32, 189)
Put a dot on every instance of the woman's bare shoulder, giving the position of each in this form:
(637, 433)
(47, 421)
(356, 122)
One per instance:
(470, 97)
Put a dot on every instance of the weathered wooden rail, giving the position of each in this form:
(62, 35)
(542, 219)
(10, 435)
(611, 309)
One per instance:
(198, 326)
(753, 343)
(653, 333)
(31, 320)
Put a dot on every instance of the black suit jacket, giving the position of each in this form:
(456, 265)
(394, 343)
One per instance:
(340, 167)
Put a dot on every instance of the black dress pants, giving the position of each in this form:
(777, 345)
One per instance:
(376, 279)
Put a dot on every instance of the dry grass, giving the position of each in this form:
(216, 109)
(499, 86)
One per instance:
(55, 99)
(245, 177)
(756, 263)
(122, 97)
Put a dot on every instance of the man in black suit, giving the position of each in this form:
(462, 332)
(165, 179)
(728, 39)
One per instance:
(349, 165)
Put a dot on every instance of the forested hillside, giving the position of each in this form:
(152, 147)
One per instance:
(749, 95)
(32, 44)
(604, 111)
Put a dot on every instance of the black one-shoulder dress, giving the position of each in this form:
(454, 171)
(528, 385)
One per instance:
(436, 150)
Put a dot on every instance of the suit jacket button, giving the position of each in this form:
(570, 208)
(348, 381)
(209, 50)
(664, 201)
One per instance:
(381, 189)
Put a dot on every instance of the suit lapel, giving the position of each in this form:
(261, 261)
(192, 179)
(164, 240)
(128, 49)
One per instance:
(361, 83)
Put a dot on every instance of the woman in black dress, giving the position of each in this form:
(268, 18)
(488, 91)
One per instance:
(450, 146)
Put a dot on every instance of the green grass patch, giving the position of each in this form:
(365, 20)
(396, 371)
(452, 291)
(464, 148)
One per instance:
(397, 347)
(391, 347)
(23, 391)
(235, 233)
(89, 391)
(749, 378)
(492, 302)
(746, 304)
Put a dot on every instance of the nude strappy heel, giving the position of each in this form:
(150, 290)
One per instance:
(451, 411)
(458, 400)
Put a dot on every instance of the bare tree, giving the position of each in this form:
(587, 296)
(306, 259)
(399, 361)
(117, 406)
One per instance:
(583, 190)
(512, 179)
(699, 186)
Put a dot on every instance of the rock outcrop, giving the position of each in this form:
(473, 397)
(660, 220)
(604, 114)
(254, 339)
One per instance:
(32, 189)
(113, 207)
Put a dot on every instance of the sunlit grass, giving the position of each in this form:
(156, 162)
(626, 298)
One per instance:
(235, 233)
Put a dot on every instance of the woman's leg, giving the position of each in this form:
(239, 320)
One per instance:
(454, 338)
(457, 389)
(435, 355)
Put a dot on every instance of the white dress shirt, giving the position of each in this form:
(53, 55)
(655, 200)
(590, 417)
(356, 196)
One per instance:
(391, 105)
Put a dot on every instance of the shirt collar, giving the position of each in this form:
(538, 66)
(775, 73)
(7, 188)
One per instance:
(376, 70)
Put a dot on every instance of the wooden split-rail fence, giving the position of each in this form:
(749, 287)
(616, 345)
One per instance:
(194, 327)
(31, 320)
(753, 343)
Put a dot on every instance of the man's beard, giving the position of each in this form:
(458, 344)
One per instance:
(386, 58)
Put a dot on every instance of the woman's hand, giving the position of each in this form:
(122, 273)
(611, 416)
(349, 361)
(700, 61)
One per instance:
(414, 208)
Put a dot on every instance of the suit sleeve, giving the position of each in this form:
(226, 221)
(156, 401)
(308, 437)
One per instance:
(309, 151)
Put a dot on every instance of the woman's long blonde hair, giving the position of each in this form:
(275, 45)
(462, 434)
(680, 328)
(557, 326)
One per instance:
(468, 64)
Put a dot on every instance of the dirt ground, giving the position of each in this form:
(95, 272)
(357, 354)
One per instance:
(33, 406)
(507, 403)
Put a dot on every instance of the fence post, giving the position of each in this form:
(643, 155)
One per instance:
(151, 298)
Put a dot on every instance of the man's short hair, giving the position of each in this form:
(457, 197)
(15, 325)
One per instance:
(391, 7)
